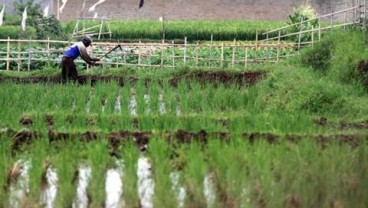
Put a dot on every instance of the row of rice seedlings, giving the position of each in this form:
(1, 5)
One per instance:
(178, 29)
(193, 104)
(233, 174)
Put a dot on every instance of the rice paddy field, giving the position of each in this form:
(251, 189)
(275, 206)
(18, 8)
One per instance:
(290, 134)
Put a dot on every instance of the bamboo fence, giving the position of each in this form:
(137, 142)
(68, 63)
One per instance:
(352, 16)
(51, 51)
(171, 54)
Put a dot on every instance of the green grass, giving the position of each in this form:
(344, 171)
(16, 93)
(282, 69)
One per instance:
(244, 173)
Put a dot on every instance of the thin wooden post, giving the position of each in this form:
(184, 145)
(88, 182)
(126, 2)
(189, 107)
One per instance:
(8, 54)
(19, 59)
(29, 55)
(99, 33)
(319, 30)
(312, 35)
(162, 52)
(48, 51)
(257, 40)
(149, 57)
(222, 55)
(233, 56)
(278, 46)
(185, 51)
(117, 59)
(256, 51)
(211, 45)
(300, 34)
(173, 54)
(197, 52)
(139, 54)
(246, 58)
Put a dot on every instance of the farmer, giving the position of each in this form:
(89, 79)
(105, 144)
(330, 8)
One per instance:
(68, 68)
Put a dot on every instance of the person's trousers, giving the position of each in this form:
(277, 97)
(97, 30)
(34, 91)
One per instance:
(68, 70)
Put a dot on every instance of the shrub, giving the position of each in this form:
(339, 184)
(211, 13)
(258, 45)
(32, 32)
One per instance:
(319, 56)
(14, 32)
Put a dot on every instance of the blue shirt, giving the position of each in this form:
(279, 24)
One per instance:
(72, 51)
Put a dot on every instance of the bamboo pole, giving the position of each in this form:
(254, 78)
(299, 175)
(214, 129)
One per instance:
(8, 54)
(211, 45)
(197, 52)
(48, 50)
(300, 35)
(162, 52)
(233, 56)
(185, 51)
(173, 53)
(319, 30)
(312, 35)
(278, 47)
(246, 57)
(19, 59)
(139, 55)
(29, 56)
(222, 55)
(99, 33)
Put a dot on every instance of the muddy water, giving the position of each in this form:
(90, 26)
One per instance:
(49, 193)
(84, 177)
(132, 103)
(146, 185)
(113, 186)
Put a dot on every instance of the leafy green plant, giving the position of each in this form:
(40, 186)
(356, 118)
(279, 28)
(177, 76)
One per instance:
(319, 56)
(306, 17)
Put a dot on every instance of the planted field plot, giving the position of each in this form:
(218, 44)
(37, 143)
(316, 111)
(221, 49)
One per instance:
(204, 142)
(27, 55)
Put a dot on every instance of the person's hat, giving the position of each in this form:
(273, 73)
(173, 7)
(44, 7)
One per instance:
(87, 40)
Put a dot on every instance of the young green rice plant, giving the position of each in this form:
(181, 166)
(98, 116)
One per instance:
(99, 160)
(153, 92)
(129, 155)
(66, 162)
(98, 97)
(39, 152)
(228, 162)
(6, 162)
(160, 154)
(139, 92)
(112, 95)
(194, 172)
(125, 98)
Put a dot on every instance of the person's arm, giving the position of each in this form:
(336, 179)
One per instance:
(84, 54)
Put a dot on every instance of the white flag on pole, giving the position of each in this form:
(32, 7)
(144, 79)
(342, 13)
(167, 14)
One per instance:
(24, 18)
(62, 6)
(92, 8)
(46, 11)
(2, 15)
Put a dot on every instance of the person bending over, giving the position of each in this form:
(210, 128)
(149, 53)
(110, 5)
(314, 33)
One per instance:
(68, 68)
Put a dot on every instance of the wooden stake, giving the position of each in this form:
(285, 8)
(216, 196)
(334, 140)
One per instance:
(8, 54)
(185, 51)
(246, 57)
(197, 52)
(278, 46)
(233, 57)
(173, 53)
(19, 59)
(222, 55)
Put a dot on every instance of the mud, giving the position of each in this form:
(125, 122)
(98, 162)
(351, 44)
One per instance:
(181, 136)
(141, 139)
(214, 77)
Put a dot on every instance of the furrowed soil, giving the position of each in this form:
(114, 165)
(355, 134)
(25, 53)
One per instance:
(215, 77)
(141, 138)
